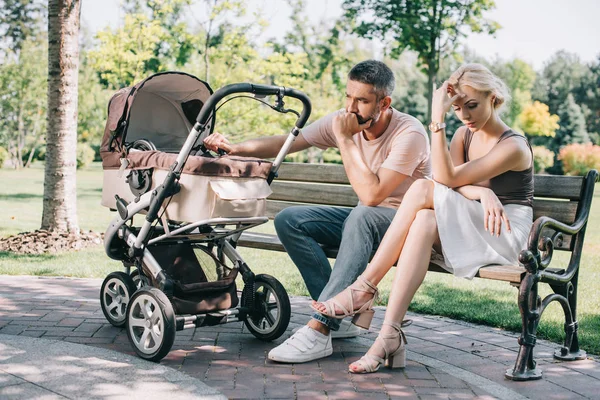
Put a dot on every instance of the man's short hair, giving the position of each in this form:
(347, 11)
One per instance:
(376, 73)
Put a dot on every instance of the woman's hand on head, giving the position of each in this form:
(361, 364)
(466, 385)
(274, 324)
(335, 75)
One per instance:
(217, 141)
(443, 97)
(493, 214)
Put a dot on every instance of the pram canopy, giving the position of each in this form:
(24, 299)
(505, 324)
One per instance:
(161, 109)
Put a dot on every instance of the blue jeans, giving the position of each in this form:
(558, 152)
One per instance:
(356, 232)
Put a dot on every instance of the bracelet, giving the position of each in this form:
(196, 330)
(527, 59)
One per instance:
(436, 126)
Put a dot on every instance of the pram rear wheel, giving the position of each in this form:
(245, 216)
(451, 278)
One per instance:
(140, 280)
(115, 294)
(150, 323)
(270, 316)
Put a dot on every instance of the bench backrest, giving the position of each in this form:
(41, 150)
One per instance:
(327, 184)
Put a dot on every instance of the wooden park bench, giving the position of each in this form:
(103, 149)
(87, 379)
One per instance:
(561, 210)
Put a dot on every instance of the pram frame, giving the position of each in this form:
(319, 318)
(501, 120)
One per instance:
(214, 232)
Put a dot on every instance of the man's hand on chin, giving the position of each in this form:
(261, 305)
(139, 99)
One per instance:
(345, 125)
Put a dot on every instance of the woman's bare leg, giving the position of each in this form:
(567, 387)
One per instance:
(418, 197)
(410, 272)
(415, 200)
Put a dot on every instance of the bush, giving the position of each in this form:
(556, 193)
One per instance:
(332, 156)
(578, 159)
(39, 153)
(85, 155)
(542, 159)
(3, 156)
(97, 156)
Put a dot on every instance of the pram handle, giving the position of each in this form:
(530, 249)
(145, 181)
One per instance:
(259, 90)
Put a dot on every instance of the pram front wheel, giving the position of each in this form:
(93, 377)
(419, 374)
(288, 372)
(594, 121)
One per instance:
(269, 317)
(115, 294)
(150, 323)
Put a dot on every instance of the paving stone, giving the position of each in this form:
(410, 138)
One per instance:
(27, 391)
(73, 322)
(9, 380)
(13, 329)
(449, 381)
(33, 333)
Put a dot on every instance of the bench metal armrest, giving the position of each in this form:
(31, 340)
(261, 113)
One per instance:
(540, 248)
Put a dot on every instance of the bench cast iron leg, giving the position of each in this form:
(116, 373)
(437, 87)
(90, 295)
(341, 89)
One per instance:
(570, 351)
(529, 305)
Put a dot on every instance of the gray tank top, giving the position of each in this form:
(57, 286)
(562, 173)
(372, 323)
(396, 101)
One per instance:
(511, 187)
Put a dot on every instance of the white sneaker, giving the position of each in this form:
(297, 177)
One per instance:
(303, 346)
(347, 330)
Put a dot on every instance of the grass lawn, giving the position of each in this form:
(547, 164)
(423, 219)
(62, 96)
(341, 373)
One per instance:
(480, 301)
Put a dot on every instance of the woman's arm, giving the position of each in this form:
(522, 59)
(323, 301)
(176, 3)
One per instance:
(511, 154)
(489, 201)
(472, 192)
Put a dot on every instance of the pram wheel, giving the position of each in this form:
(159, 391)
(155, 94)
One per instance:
(115, 294)
(272, 310)
(139, 279)
(150, 323)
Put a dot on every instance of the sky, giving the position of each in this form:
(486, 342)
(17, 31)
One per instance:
(532, 30)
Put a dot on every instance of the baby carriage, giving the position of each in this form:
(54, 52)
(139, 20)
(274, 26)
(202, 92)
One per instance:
(181, 211)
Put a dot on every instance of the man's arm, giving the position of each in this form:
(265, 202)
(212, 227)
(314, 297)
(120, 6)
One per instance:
(371, 188)
(265, 147)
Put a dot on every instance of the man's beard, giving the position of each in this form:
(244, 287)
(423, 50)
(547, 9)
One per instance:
(374, 117)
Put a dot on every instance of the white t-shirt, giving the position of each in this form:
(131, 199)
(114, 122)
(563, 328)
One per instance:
(403, 147)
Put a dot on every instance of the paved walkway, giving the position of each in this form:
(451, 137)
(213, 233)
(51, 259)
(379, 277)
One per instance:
(447, 359)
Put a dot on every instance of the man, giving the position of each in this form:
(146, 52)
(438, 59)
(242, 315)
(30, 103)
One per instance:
(384, 151)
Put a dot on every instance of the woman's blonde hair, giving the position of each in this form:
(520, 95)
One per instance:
(482, 79)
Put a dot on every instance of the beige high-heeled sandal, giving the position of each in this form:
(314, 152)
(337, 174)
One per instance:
(392, 359)
(362, 316)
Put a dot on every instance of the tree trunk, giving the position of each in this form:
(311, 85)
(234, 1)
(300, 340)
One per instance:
(20, 139)
(60, 197)
(431, 73)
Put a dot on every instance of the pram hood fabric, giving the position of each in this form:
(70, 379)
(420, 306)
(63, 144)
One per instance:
(162, 109)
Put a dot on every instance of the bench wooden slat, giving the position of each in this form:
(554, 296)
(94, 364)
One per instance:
(547, 186)
(325, 173)
(265, 241)
(275, 206)
(314, 193)
(563, 211)
(507, 273)
(559, 187)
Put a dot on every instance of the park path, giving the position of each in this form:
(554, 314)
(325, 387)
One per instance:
(447, 359)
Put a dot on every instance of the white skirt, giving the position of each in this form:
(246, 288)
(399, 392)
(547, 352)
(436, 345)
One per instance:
(466, 245)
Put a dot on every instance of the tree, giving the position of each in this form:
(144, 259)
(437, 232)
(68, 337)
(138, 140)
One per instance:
(177, 43)
(22, 100)
(520, 77)
(22, 76)
(587, 95)
(572, 125)
(428, 27)
(60, 198)
(19, 21)
(153, 38)
(561, 74)
(123, 55)
(536, 120)
(410, 95)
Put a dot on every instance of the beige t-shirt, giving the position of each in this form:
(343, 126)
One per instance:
(403, 147)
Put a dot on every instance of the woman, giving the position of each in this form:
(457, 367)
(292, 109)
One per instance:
(476, 211)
